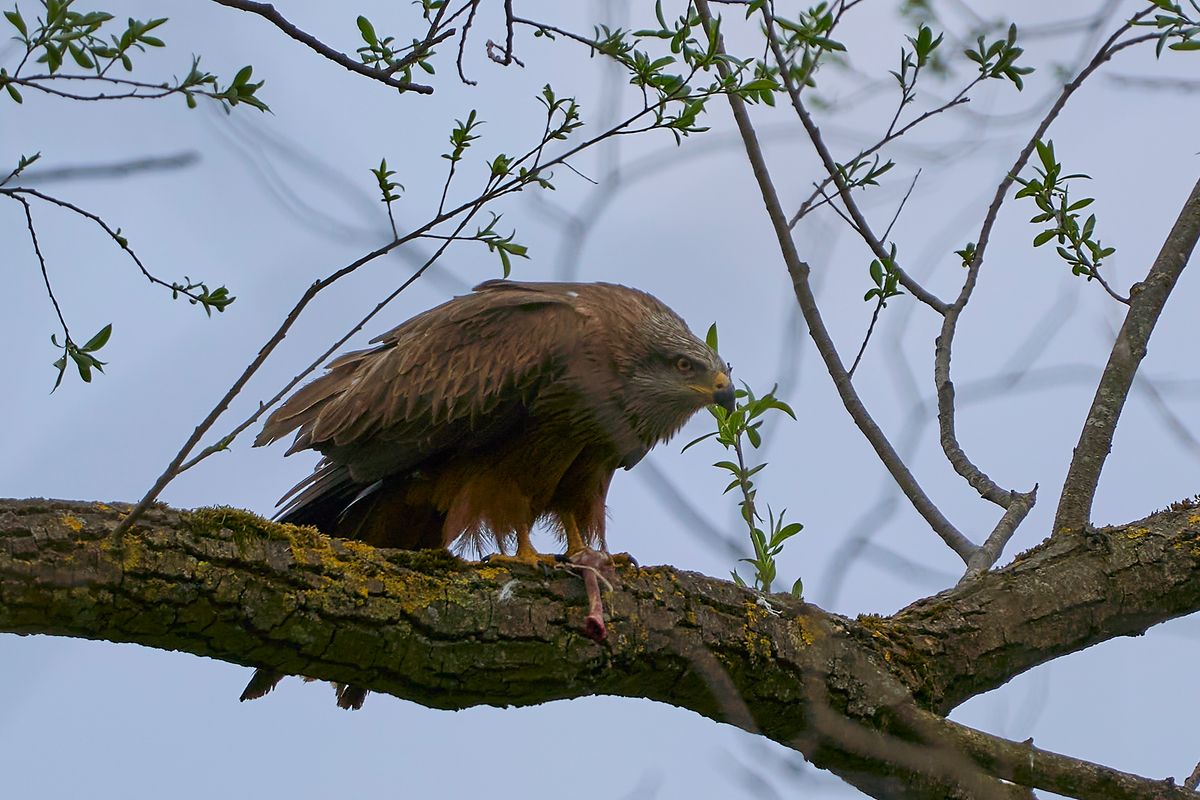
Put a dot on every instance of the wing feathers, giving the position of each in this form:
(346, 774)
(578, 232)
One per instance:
(434, 382)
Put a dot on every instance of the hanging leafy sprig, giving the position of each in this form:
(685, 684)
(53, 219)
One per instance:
(1077, 243)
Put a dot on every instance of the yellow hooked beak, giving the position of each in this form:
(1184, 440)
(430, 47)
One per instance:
(722, 391)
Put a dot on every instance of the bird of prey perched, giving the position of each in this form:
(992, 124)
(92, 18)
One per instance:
(475, 420)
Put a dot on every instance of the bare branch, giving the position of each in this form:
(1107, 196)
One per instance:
(1016, 504)
(799, 272)
(462, 42)
(942, 351)
(269, 13)
(42, 263)
(1146, 304)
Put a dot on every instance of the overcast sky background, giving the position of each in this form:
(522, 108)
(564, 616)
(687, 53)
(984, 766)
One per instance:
(273, 201)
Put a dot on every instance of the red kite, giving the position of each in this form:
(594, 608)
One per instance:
(475, 420)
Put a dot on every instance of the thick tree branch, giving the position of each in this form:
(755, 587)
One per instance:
(1072, 591)
(1146, 303)
(854, 696)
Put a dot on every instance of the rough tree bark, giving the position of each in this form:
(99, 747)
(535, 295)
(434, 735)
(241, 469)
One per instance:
(864, 698)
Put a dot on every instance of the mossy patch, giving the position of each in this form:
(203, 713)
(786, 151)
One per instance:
(213, 519)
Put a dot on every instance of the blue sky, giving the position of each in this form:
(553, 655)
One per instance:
(273, 201)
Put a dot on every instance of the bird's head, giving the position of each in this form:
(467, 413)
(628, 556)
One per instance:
(673, 376)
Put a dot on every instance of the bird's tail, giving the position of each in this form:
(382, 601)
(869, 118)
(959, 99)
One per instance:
(263, 681)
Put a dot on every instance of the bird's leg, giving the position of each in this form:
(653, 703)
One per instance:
(574, 539)
(525, 553)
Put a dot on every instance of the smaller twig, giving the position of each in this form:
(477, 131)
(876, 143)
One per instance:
(900, 207)
(959, 99)
(827, 199)
(508, 57)
(1100, 278)
(744, 484)
(140, 89)
(392, 221)
(881, 303)
(571, 167)
(42, 262)
(541, 26)
(419, 49)
(504, 60)
(863, 348)
(462, 42)
(1019, 506)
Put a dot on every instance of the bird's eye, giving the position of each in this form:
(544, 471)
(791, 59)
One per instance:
(683, 364)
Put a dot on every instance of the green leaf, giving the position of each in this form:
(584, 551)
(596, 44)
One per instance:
(99, 340)
(785, 533)
(14, 17)
(1044, 237)
(782, 406)
(754, 436)
(798, 588)
(81, 58)
(698, 440)
(367, 30)
(1046, 154)
(84, 364)
(61, 366)
(877, 272)
(759, 84)
(710, 338)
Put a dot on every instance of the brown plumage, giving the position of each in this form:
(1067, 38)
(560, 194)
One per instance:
(475, 420)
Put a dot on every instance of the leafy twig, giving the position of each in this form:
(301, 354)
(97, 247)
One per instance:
(744, 422)
(268, 12)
